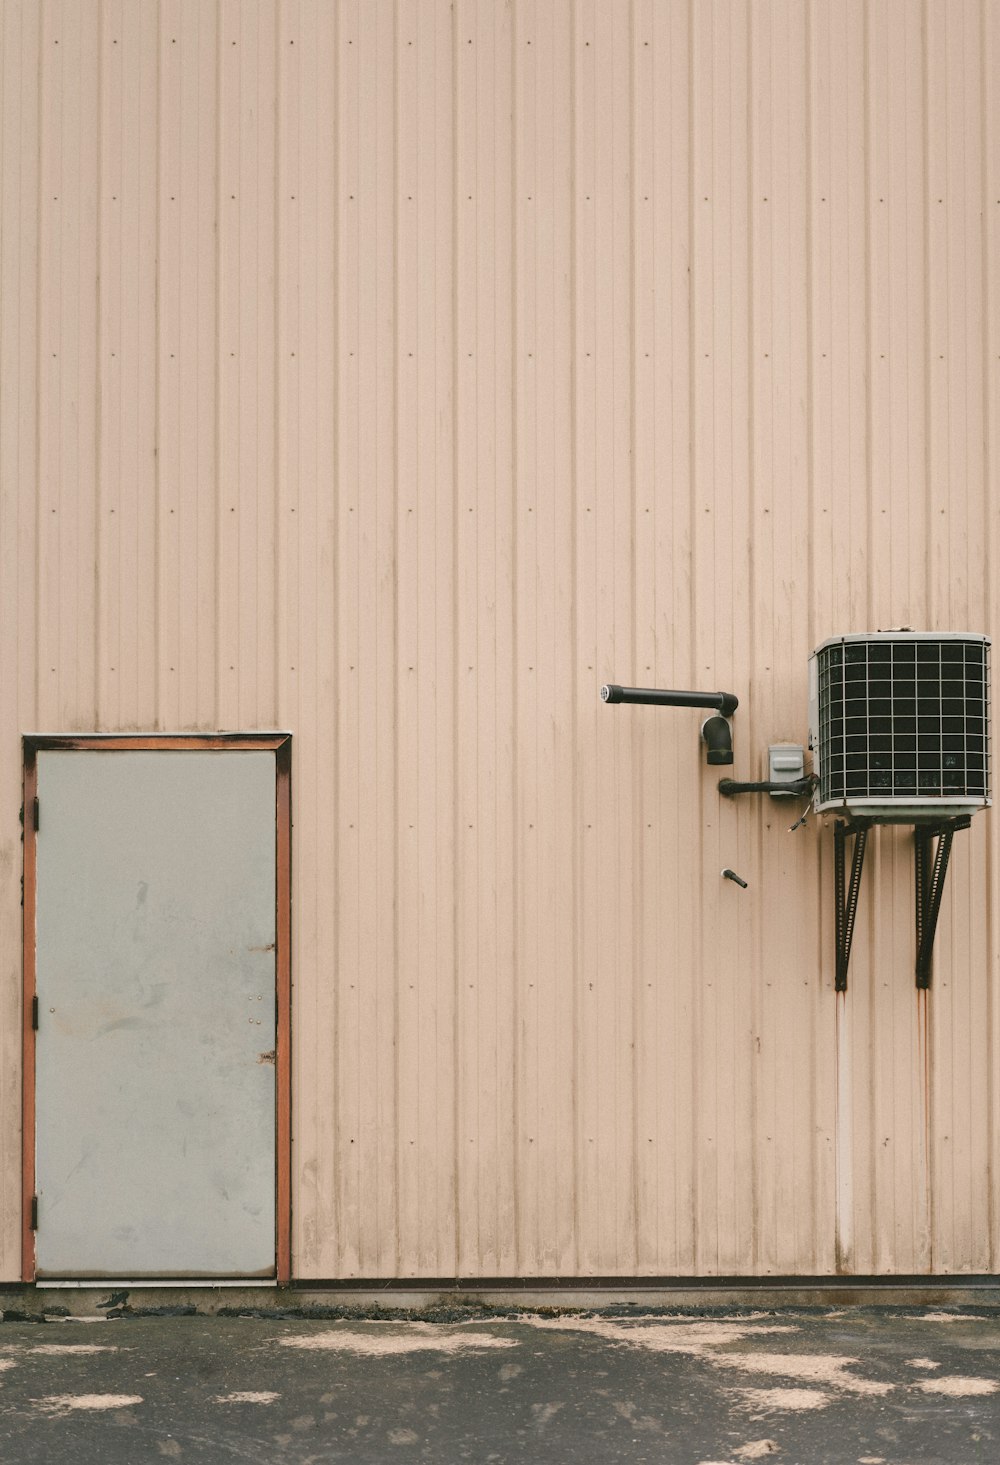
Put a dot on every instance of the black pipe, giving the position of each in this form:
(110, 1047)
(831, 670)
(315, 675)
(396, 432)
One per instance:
(724, 702)
(729, 786)
(718, 736)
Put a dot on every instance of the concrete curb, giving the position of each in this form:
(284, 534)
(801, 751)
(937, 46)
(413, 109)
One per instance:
(107, 1300)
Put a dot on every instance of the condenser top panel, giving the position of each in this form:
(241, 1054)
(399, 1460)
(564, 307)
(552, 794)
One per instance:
(900, 724)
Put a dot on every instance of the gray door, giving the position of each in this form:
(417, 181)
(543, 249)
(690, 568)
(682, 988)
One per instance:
(155, 1078)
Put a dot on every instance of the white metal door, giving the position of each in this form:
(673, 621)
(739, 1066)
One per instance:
(155, 969)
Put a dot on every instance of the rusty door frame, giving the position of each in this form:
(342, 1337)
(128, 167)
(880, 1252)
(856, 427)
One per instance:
(281, 745)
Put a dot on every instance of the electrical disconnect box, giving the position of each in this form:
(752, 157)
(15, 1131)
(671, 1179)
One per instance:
(786, 763)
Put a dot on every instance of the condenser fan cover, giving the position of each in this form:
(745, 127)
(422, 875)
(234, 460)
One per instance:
(900, 724)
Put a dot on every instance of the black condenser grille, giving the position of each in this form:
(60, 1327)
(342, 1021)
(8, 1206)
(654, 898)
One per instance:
(904, 719)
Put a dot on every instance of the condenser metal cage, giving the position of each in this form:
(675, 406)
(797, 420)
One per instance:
(900, 725)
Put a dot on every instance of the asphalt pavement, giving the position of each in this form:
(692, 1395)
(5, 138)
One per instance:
(865, 1386)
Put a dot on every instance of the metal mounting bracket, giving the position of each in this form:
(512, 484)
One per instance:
(847, 901)
(930, 871)
(930, 867)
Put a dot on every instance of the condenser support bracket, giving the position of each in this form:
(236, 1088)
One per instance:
(932, 845)
(846, 895)
(931, 868)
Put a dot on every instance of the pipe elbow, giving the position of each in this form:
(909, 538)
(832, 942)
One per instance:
(718, 738)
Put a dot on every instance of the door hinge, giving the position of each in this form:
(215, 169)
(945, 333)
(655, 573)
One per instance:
(34, 1013)
(34, 814)
(34, 1213)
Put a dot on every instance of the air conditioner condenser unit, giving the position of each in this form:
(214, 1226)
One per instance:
(899, 725)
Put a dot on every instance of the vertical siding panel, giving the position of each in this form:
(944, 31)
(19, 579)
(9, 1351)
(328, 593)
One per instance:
(499, 571)
(705, 1098)
(189, 362)
(128, 464)
(424, 575)
(591, 1195)
(990, 123)
(944, 507)
(437, 710)
(486, 129)
(367, 200)
(734, 646)
(547, 819)
(67, 407)
(606, 622)
(500, 583)
(971, 951)
(842, 579)
(128, 333)
(528, 410)
(246, 468)
(615, 387)
(380, 345)
(414, 272)
(171, 368)
(530, 93)
(354, 1004)
(822, 61)
(544, 630)
(20, 190)
(722, 590)
(231, 276)
(780, 362)
(961, 1199)
(289, 501)
(306, 346)
(897, 1137)
(651, 1222)
(675, 872)
(544, 627)
(473, 120)
(319, 669)
(850, 602)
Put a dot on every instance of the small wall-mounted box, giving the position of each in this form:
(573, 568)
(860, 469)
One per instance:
(786, 763)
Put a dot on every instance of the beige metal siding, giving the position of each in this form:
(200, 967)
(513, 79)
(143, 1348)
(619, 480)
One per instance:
(396, 373)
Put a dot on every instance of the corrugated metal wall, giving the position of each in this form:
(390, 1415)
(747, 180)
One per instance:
(395, 373)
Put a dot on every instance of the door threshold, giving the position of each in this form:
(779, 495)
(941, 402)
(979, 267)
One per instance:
(118, 1284)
